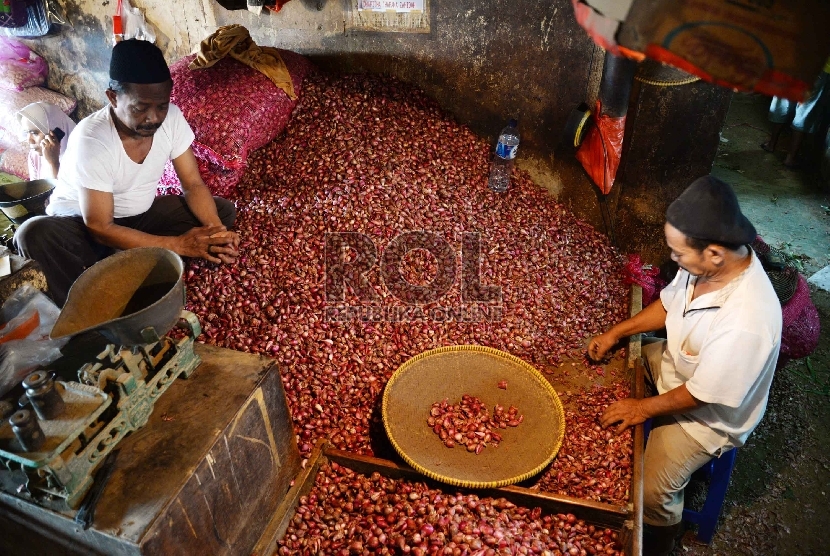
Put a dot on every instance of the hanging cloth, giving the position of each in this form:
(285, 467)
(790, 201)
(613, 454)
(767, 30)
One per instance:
(236, 41)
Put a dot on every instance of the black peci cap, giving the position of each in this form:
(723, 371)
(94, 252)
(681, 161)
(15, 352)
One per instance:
(709, 210)
(136, 61)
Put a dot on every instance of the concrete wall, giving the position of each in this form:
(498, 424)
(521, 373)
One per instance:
(483, 61)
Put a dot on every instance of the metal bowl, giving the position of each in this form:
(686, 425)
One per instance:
(20, 201)
(133, 297)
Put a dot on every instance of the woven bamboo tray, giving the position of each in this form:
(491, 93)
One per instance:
(450, 372)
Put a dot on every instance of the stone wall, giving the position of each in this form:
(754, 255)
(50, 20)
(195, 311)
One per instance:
(484, 62)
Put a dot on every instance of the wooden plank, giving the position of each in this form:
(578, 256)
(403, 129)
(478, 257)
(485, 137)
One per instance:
(636, 492)
(281, 519)
(595, 512)
(634, 544)
(604, 515)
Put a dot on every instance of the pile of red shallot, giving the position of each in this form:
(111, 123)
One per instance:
(470, 424)
(346, 513)
(593, 463)
(374, 156)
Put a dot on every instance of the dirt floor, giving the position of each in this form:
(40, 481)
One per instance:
(777, 501)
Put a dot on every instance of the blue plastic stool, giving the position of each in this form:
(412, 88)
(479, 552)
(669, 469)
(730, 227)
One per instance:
(719, 471)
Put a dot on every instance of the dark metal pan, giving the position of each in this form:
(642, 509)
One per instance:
(133, 297)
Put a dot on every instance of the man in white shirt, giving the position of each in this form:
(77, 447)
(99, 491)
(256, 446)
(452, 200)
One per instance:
(106, 193)
(713, 372)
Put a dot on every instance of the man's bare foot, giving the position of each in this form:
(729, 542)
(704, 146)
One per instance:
(768, 146)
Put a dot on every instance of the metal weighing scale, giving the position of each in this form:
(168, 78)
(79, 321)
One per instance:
(133, 299)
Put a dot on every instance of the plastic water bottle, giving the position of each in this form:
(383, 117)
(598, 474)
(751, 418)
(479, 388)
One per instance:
(506, 150)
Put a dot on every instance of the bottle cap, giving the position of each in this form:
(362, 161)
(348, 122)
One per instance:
(513, 122)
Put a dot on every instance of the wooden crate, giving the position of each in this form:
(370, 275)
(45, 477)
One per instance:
(604, 515)
(204, 476)
(627, 520)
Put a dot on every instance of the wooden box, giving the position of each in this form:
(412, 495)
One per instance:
(626, 520)
(613, 517)
(204, 476)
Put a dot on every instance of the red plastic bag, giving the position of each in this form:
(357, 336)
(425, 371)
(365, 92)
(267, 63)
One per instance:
(601, 150)
(117, 22)
(645, 276)
(20, 68)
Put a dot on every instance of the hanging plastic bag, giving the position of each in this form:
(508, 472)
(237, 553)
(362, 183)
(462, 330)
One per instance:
(129, 23)
(27, 319)
(20, 68)
(135, 25)
(118, 23)
(255, 6)
(601, 150)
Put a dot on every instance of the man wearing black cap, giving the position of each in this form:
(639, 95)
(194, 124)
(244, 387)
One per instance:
(712, 374)
(106, 195)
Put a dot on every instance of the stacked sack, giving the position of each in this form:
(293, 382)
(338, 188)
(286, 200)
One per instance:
(22, 76)
(233, 110)
(801, 325)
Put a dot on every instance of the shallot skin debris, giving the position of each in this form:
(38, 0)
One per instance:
(375, 156)
(593, 463)
(348, 513)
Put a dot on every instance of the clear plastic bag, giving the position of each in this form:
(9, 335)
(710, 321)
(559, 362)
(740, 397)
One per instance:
(20, 68)
(130, 23)
(28, 317)
(135, 25)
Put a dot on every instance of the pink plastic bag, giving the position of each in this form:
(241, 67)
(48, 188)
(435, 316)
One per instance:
(20, 68)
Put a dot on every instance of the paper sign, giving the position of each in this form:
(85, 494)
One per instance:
(391, 5)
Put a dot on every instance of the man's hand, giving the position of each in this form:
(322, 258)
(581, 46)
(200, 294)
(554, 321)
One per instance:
(627, 413)
(207, 242)
(602, 344)
(232, 242)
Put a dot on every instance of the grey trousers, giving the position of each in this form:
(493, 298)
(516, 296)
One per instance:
(670, 459)
(64, 248)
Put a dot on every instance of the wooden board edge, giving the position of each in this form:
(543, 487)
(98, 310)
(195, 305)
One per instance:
(281, 519)
(634, 527)
(597, 513)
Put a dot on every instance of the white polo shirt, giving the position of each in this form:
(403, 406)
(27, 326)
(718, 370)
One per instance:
(95, 159)
(724, 346)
